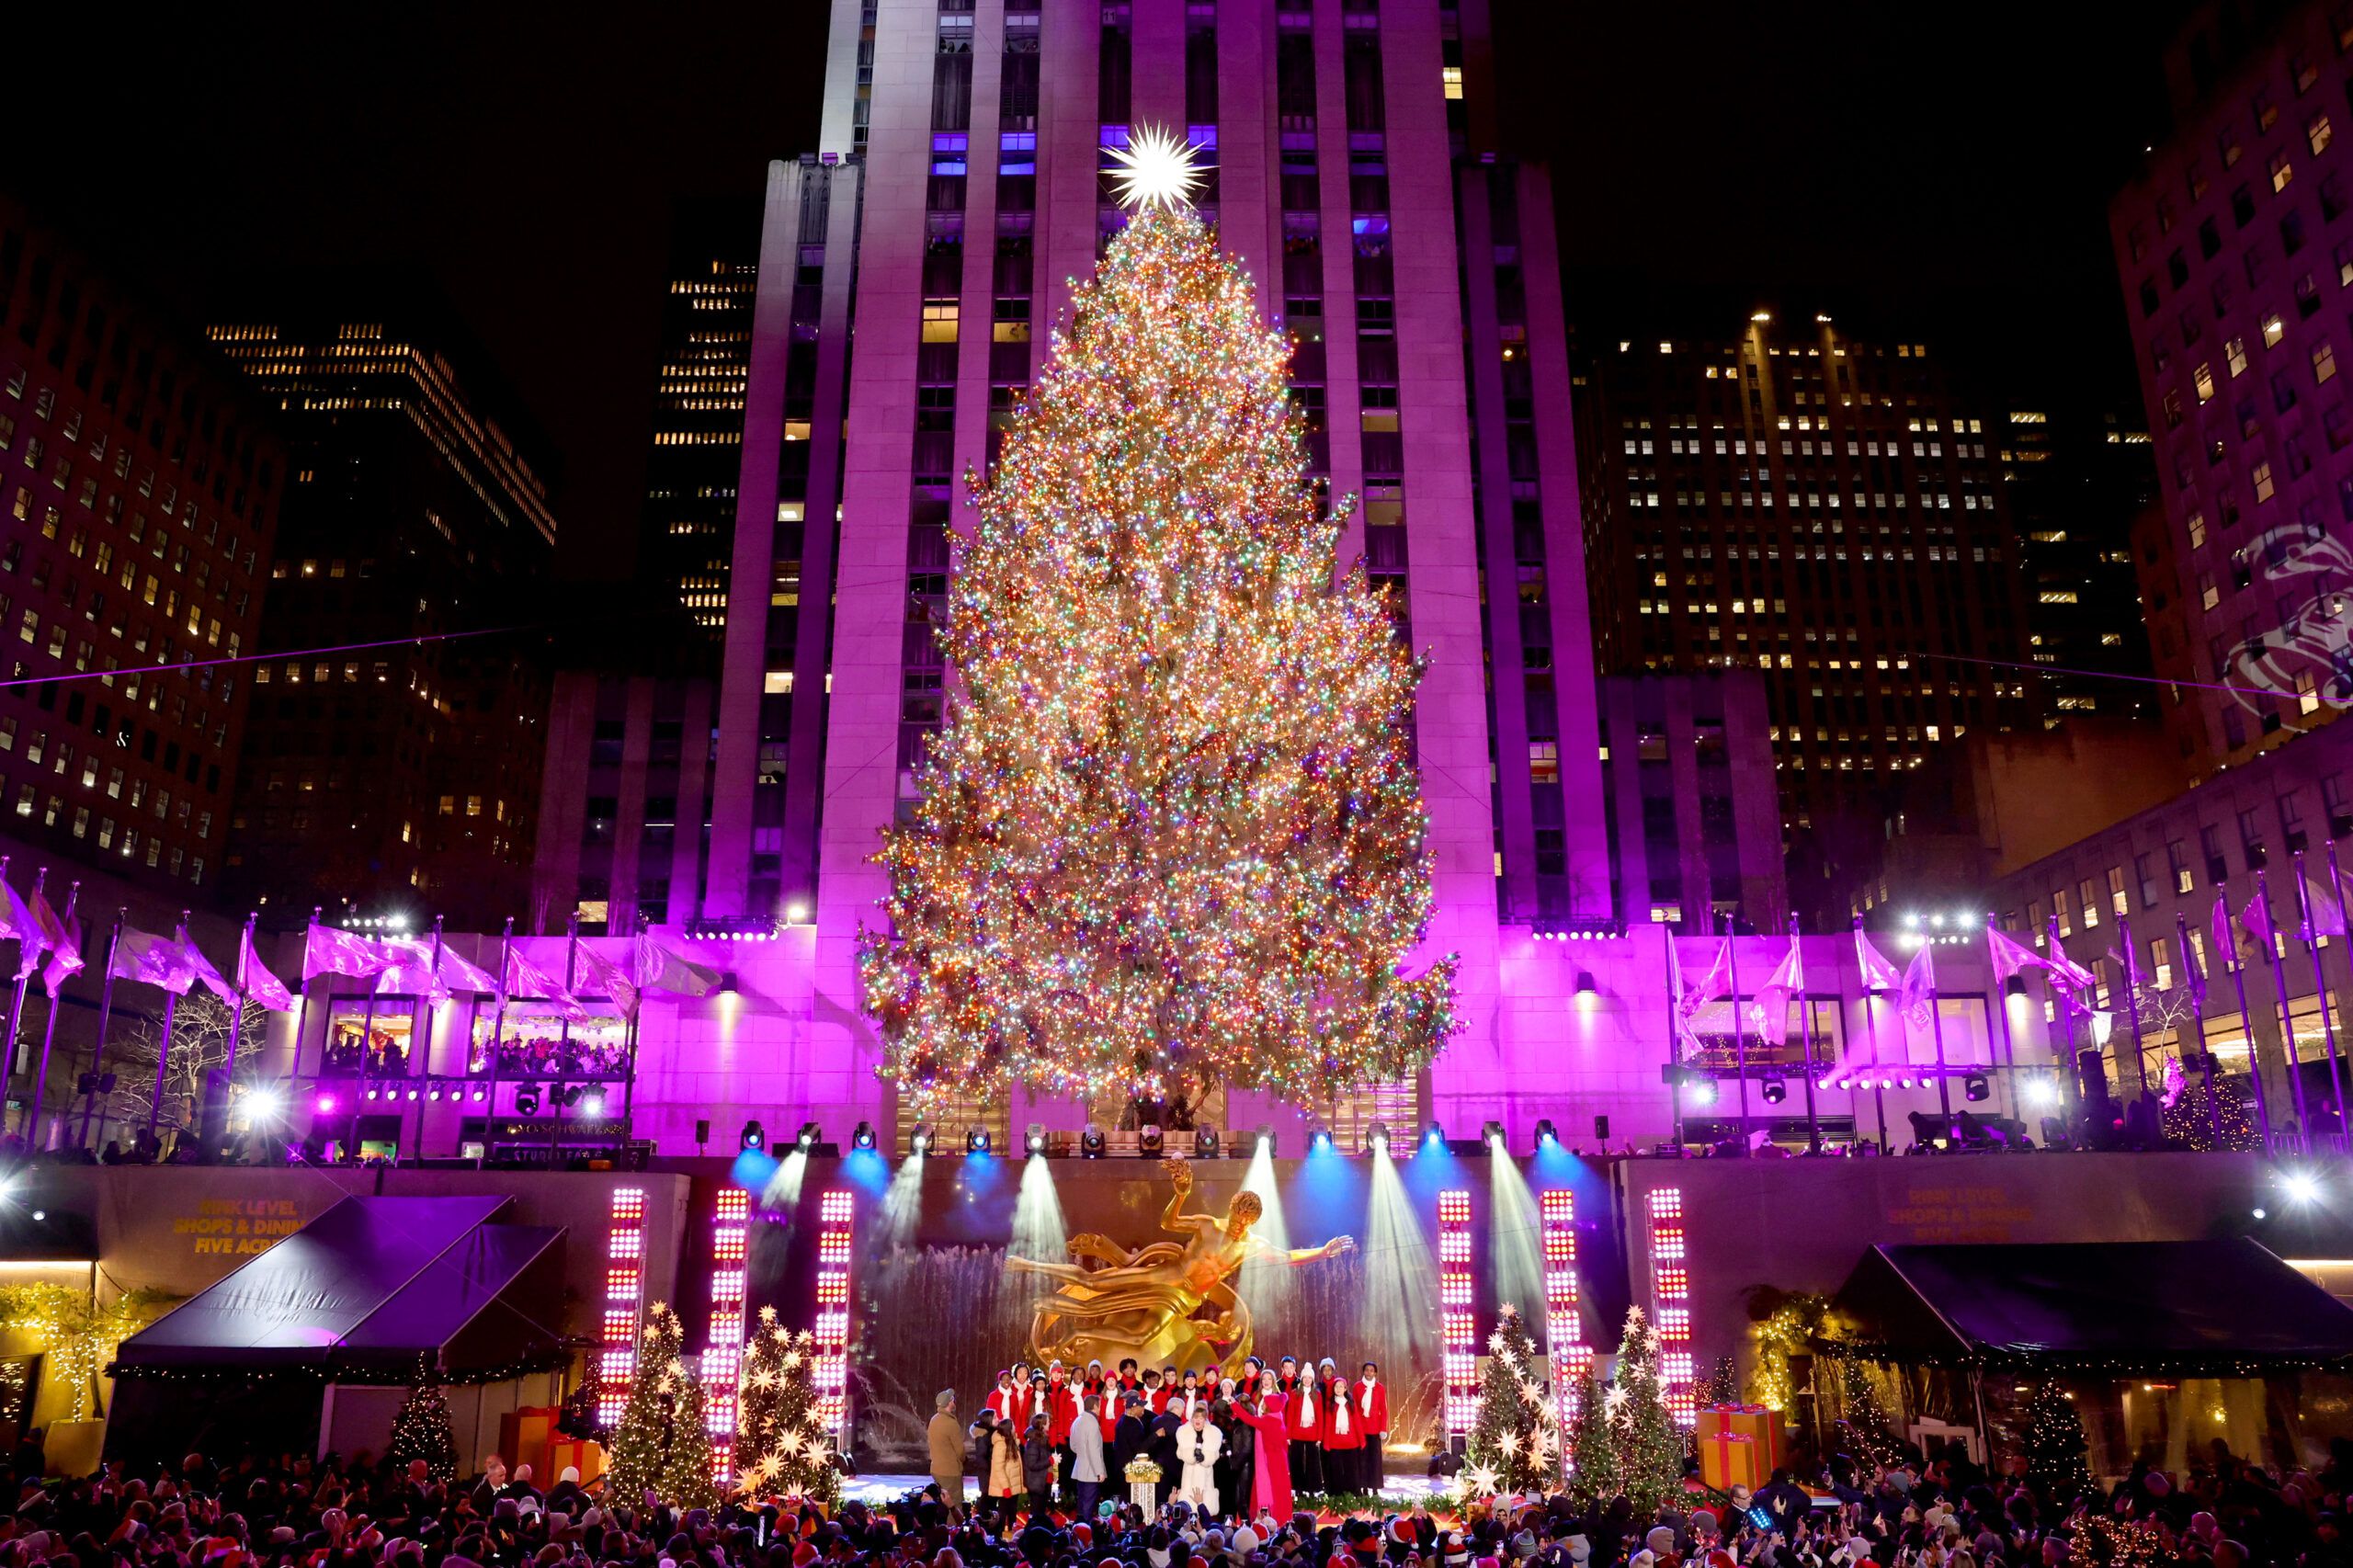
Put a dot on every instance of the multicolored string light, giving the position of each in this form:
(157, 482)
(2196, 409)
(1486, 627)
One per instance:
(1172, 829)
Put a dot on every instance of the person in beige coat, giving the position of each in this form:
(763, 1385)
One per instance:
(947, 1437)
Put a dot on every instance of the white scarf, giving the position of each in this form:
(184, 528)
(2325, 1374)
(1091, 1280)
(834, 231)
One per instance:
(1367, 1386)
(1307, 1402)
(1340, 1417)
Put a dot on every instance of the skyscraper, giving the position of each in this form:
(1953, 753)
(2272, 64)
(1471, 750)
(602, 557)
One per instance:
(692, 467)
(2236, 251)
(1824, 509)
(2077, 481)
(143, 481)
(405, 774)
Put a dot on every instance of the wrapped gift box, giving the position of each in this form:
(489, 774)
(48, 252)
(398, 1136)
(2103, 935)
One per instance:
(1739, 1445)
(523, 1438)
(586, 1455)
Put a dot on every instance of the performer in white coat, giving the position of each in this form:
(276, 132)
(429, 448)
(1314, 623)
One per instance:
(1198, 1447)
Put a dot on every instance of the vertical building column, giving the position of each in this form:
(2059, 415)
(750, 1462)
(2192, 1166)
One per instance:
(743, 660)
(1506, 669)
(1070, 66)
(1585, 830)
(1249, 215)
(694, 811)
(1343, 414)
(976, 319)
(564, 804)
(870, 587)
(1158, 39)
(629, 816)
(1443, 575)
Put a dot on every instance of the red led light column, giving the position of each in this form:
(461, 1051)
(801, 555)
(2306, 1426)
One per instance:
(1671, 1304)
(624, 1295)
(832, 1368)
(723, 1358)
(1563, 1332)
(1458, 1327)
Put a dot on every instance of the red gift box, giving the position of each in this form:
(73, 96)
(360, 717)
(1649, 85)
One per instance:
(1739, 1445)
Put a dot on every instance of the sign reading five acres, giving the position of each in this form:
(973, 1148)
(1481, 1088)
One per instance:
(237, 1227)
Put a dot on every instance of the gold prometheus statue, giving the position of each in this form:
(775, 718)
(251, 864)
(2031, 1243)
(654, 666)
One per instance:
(1166, 1304)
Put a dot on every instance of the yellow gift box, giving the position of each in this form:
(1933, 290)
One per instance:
(1739, 1445)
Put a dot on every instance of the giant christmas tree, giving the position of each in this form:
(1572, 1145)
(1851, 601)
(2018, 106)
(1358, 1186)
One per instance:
(1171, 827)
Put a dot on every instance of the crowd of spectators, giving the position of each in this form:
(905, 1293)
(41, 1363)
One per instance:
(288, 1511)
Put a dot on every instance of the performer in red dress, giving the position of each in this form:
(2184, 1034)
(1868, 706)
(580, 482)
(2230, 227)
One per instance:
(1270, 1472)
(1006, 1399)
(1372, 1405)
(1343, 1433)
(1307, 1417)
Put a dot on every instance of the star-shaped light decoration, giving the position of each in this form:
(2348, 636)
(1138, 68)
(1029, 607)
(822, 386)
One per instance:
(1155, 169)
(1483, 1479)
(1507, 1441)
(1613, 1399)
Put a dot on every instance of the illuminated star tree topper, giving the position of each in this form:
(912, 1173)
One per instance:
(1171, 830)
(1155, 169)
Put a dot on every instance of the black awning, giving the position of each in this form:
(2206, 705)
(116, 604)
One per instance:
(364, 1289)
(2218, 1308)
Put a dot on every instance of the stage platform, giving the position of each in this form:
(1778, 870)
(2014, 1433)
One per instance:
(883, 1487)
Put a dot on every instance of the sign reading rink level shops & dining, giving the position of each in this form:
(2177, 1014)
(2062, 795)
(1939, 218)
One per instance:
(238, 1227)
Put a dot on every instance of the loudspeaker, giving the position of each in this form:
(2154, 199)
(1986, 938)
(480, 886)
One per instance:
(1601, 1127)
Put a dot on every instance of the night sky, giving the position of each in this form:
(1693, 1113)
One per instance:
(1937, 171)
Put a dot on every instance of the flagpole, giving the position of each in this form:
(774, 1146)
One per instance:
(17, 1004)
(1739, 1029)
(497, 1033)
(1937, 1029)
(1806, 1039)
(106, 1011)
(2237, 966)
(563, 1038)
(236, 1030)
(1870, 1034)
(30, 1131)
(2197, 983)
(2320, 988)
(163, 1052)
(2132, 1003)
(367, 1043)
(2071, 1086)
(2287, 1017)
(424, 1051)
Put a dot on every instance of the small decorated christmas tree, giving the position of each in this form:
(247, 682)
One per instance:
(421, 1428)
(641, 1437)
(1722, 1385)
(781, 1446)
(2055, 1444)
(1593, 1447)
(1651, 1447)
(1514, 1441)
(1863, 1421)
(687, 1466)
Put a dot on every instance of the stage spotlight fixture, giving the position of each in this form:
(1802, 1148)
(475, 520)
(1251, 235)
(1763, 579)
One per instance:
(1376, 1139)
(1267, 1139)
(1433, 1136)
(434, 1094)
(2303, 1186)
(2015, 986)
(1205, 1146)
(1775, 1091)
(1586, 986)
(1976, 1086)
(2041, 1092)
(727, 984)
(1547, 1136)
(411, 1093)
(862, 1136)
(478, 1096)
(593, 1103)
(976, 1140)
(1319, 1140)
(570, 1095)
(1491, 1134)
(326, 1103)
(1090, 1143)
(375, 1093)
(809, 1137)
(1036, 1142)
(1704, 1092)
(755, 1136)
(919, 1140)
(1150, 1137)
